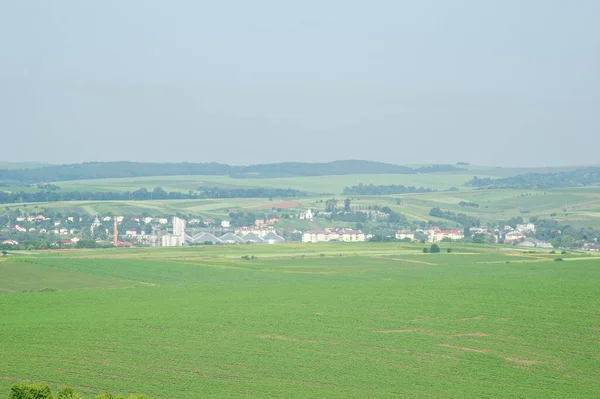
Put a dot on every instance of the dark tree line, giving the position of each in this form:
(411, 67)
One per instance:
(463, 219)
(107, 170)
(144, 194)
(576, 178)
(217, 192)
(370, 189)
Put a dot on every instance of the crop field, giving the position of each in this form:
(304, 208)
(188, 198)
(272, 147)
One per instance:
(313, 184)
(361, 320)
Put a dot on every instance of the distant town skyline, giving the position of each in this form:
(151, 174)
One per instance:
(503, 83)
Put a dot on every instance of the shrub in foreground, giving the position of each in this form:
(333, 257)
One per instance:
(68, 393)
(41, 390)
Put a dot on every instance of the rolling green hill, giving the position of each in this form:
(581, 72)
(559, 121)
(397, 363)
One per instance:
(104, 170)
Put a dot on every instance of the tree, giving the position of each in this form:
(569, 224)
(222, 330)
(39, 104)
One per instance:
(4, 252)
(434, 249)
(39, 390)
(449, 250)
(347, 205)
(68, 393)
(425, 250)
(330, 205)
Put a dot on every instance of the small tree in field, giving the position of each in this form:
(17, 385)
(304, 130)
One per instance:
(449, 250)
(68, 393)
(4, 252)
(434, 249)
(425, 250)
(39, 390)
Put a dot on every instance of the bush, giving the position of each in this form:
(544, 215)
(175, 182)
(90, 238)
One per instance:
(563, 252)
(552, 252)
(42, 391)
(426, 250)
(39, 390)
(558, 259)
(434, 249)
(68, 393)
(449, 250)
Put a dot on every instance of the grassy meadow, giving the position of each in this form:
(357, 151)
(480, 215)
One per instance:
(333, 320)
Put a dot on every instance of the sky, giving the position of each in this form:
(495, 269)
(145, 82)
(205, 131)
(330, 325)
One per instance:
(496, 82)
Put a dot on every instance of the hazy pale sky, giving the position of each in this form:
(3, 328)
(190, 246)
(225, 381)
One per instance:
(501, 82)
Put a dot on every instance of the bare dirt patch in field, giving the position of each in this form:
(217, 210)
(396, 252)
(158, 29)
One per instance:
(471, 318)
(393, 331)
(464, 349)
(284, 338)
(437, 356)
(305, 272)
(415, 261)
(521, 361)
(475, 334)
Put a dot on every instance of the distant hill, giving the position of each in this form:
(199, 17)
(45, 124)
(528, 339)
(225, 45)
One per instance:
(21, 165)
(108, 170)
(581, 177)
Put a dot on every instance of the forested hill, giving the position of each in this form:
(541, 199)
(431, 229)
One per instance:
(577, 178)
(106, 170)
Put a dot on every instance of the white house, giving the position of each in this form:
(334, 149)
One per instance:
(532, 242)
(403, 234)
(436, 235)
(524, 228)
(328, 235)
(513, 236)
(225, 224)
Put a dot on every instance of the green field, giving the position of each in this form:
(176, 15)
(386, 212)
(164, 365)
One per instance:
(314, 184)
(334, 320)
(582, 205)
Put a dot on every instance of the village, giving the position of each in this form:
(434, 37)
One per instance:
(163, 231)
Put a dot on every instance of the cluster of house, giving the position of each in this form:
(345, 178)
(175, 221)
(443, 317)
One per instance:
(258, 234)
(333, 234)
(434, 234)
(511, 236)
